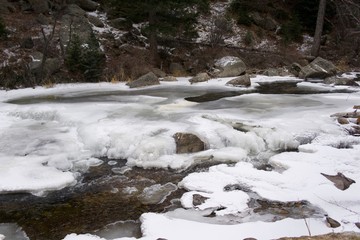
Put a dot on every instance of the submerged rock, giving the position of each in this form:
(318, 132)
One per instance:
(148, 79)
(157, 193)
(188, 143)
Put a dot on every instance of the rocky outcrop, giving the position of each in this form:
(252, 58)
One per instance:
(121, 24)
(340, 81)
(230, 66)
(201, 77)
(39, 6)
(188, 143)
(148, 79)
(158, 72)
(242, 81)
(319, 68)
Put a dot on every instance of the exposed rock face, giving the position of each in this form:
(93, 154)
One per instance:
(230, 66)
(342, 120)
(188, 143)
(201, 77)
(340, 180)
(148, 79)
(242, 81)
(319, 68)
(340, 81)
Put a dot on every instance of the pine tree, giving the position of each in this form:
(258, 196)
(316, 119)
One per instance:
(166, 17)
(73, 56)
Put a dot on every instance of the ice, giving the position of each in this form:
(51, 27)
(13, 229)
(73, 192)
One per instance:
(12, 231)
(48, 137)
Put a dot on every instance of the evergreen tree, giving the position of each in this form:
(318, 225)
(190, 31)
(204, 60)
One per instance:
(165, 17)
(73, 56)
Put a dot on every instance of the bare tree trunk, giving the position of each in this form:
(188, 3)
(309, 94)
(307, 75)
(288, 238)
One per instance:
(153, 37)
(319, 28)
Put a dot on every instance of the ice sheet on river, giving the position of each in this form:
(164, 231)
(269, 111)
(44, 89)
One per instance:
(45, 144)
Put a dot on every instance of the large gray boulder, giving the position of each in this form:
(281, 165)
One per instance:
(188, 143)
(95, 21)
(242, 81)
(148, 79)
(201, 77)
(318, 68)
(176, 69)
(74, 21)
(230, 66)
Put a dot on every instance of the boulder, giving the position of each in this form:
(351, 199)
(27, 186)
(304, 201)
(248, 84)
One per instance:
(95, 21)
(169, 79)
(242, 81)
(201, 77)
(36, 60)
(230, 66)
(121, 24)
(264, 22)
(177, 69)
(295, 69)
(158, 72)
(75, 21)
(148, 79)
(340, 81)
(342, 120)
(39, 6)
(318, 68)
(87, 5)
(188, 143)
(52, 65)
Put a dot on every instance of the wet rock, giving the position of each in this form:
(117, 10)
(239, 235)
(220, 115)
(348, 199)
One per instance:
(199, 199)
(340, 81)
(340, 180)
(230, 66)
(188, 143)
(332, 222)
(148, 79)
(343, 120)
(319, 68)
(169, 79)
(95, 21)
(242, 81)
(356, 107)
(236, 187)
(201, 77)
(157, 193)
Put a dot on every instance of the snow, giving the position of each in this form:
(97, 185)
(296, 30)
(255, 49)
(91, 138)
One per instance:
(49, 137)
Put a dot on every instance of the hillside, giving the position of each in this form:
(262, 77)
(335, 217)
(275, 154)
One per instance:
(47, 42)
